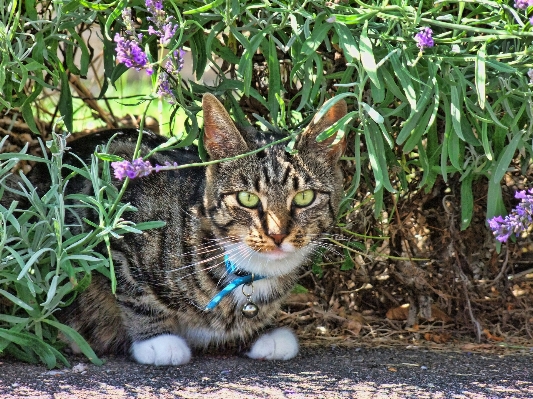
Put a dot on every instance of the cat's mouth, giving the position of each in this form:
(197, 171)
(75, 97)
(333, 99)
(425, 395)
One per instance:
(276, 254)
(271, 262)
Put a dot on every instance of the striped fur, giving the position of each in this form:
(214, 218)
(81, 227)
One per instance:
(167, 276)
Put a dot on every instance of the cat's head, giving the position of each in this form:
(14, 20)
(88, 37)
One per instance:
(270, 209)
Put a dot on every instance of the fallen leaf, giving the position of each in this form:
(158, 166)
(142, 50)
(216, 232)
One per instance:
(437, 338)
(398, 313)
(473, 347)
(401, 313)
(301, 299)
(491, 337)
(440, 315)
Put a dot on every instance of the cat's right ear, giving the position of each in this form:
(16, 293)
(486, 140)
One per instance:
(222, 139)
(332, 149)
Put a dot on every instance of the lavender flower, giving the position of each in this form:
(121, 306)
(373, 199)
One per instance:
(164, 27)
(128, 21)
(138, 168)
(424, 38)
(130, 54)
(530, 73)
(517, 221)
(523, 4)
(173, 66)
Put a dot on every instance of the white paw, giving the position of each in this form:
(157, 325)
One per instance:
(278, 344)
(162, 350)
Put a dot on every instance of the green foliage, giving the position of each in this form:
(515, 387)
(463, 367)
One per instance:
(47, 253)
(462, 106)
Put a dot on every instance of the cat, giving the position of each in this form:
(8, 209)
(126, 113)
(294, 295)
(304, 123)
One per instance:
(244, 227)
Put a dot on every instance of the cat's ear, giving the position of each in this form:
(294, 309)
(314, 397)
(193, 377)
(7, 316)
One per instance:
(333, 150)
(222, 139)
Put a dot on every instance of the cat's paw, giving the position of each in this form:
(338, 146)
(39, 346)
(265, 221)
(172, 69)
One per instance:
(278, 344)
(163, 350)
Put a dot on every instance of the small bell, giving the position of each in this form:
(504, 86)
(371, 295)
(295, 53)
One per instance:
(250, 310)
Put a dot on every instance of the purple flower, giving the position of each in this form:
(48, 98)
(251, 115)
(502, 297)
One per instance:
(424, 38)
(173, 66)
(138, 168)
(167, 33)
(130, 54)
(530, 74)
(164, 27)
(518, 221)
(523, 4)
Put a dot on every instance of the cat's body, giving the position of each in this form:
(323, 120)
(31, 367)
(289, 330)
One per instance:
(264, 214)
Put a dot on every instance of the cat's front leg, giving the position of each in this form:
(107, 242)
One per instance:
(277, 344)
(162, 350)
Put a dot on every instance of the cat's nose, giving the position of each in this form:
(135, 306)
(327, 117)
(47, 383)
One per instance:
(278, 238)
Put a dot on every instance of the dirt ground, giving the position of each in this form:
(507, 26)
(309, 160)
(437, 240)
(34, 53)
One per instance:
(318, 372)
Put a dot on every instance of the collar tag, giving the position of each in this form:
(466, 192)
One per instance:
(230, 269)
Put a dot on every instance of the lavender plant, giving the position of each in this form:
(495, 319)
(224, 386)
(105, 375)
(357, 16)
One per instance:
(44, 265)
(130, 53)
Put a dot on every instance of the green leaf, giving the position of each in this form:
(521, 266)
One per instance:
(117, 12)
(299, 289)
(348, 263)
(95, 6)
(417, 112)
(347, 43)
(65, 101)
(353, 19)
(33, 260)
(274, 80)
(46, 353)
(246, 64)
(495, 205)
(205, 8)
(27, 114)
(425, 123)
(15, 300)
(317, 37)
(108, 157)
(506, 158)
(367, 57)
(78, 339)
(480, 75)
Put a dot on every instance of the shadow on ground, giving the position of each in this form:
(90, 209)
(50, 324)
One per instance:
(315, 373)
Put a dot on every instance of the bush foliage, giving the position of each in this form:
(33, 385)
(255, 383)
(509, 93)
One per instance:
(461, 107)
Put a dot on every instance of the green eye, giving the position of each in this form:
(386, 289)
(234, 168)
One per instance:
(304, 198)
(247, 199)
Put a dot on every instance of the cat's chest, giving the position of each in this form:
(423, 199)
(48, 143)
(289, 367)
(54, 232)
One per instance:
(260, 291)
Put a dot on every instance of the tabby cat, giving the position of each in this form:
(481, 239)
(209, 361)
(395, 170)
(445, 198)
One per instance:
(242, 227)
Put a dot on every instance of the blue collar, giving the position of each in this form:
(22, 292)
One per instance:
(230, 269)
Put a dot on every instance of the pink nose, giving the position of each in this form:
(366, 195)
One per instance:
(278, 238)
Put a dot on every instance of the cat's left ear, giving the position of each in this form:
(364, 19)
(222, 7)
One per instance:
(222, 139)
(333, 150)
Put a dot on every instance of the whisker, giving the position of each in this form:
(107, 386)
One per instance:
(210, 247)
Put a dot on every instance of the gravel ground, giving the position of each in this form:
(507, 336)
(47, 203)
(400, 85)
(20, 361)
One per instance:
(316, 373)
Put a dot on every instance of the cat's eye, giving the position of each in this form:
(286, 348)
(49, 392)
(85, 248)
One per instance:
(247, 199)
(304, 198)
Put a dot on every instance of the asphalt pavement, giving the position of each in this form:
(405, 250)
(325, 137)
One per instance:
(323, 372)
